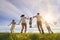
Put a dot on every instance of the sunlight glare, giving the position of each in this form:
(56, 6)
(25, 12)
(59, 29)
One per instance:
(48, 18)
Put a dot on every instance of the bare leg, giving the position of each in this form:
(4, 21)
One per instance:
(49, 30)
(42, 29)
(22, 28)
(25, 28)
(12, 29)
(39, 28)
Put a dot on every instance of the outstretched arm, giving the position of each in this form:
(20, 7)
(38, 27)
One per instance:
(26, 18)
(9, 24)
(34, 16)
(19, 22)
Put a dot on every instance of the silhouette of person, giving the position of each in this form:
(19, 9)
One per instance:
(48, 27)
(23, 23)
(13, 23)
(39, 23)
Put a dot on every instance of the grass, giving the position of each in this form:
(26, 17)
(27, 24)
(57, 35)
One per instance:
(29, 36)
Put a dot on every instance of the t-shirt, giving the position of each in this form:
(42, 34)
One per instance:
(30, 22)
(23, 19)
(38, 18)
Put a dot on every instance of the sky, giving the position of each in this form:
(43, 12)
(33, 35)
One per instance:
(12, 9)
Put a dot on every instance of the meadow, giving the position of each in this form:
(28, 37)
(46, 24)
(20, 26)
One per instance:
(29, 36)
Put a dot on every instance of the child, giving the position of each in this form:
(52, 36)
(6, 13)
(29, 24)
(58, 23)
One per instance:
(13, 23)
(23, 23)
(30, 22)
(48, 27)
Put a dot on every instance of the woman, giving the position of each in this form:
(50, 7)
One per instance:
(23, 23)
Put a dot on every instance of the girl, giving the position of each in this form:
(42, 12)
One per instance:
(13, 23)
(48, 27)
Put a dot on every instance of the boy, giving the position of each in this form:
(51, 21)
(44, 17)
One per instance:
(13, 23)
(30, 22)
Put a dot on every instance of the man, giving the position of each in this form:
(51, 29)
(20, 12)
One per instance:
(39, 22)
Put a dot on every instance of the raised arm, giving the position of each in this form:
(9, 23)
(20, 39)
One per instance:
(10, 24)
(19, 22)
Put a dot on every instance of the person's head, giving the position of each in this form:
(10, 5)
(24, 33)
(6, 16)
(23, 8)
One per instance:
(30, 17)
(38, 13)
(22, 15)
(13, 20)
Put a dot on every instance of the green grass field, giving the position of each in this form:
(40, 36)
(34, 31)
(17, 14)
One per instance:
(29, 36)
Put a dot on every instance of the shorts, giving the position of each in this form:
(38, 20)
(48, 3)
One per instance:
(39, 23)
(24, 24)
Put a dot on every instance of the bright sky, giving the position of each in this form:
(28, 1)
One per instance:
(12, 9)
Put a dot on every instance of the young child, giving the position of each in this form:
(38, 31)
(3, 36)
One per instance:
(48, 27)
(30, 22)
(13, 23)
(23, 23)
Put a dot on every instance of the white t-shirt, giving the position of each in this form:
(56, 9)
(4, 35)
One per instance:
(23, 19)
